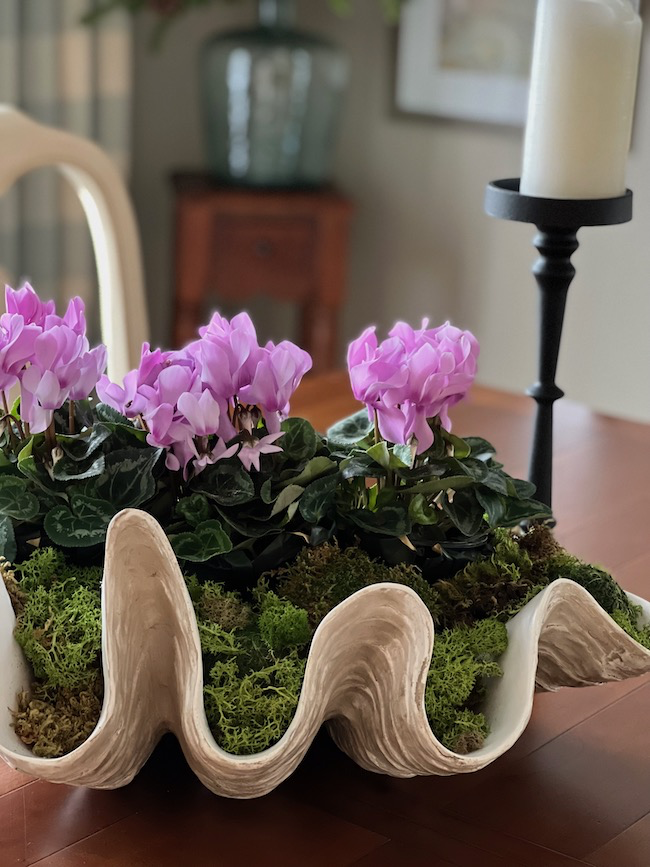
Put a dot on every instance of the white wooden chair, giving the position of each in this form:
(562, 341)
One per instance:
(26, 145)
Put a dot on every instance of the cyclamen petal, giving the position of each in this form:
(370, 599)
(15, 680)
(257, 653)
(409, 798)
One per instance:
(26, 303)
(412, 376)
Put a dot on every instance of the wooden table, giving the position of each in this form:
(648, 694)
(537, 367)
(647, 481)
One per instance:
(232, 244)
(574, 790)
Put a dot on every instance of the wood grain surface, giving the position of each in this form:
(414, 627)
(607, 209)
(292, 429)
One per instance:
(575, 789)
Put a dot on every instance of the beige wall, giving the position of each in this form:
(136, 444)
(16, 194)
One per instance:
(421, 244)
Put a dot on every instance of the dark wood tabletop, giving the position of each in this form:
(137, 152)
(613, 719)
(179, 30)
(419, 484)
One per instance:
(575, 789)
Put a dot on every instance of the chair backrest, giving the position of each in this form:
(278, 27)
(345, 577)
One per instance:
(26, 145)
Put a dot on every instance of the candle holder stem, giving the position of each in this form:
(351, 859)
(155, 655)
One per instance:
(553, 272)
(557, 222)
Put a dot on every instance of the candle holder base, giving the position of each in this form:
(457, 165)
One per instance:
(557, 222)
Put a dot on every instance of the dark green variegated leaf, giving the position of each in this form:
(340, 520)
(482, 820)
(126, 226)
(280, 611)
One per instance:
(266, 495)
(7, 539)
(82, 446)
(481, 449)
(434, 486)
(82, 525)
(106, 413)
(389, 521)
(315, 468)
(465, 512)
(359, 466)
(251, 528)
(207, 540)
(522, 489)
(317, 501)
(345, 434)
(15, 500)
(195, 509)
(517, 511)
(494, 505)
(128, 480)
(286, 498)
(225, 483)
(300, 440)
(433, 469)
(118, 424)
(496, 480)
(402, 457)
(421, 512)
(69, 470)
(379, 453)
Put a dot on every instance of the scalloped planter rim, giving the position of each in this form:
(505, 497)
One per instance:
(365, 676)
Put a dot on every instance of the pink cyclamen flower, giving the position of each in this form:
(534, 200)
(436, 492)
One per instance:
(16, 348)
(227, 354)
(26, 303)
(251, 450)
(61, 363)
(129, 399)
(278, 373)
(411, 377)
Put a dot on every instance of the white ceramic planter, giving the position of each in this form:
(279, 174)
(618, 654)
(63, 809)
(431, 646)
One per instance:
(365, 675)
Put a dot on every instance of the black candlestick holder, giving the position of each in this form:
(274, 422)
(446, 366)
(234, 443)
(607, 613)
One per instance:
(557, 222)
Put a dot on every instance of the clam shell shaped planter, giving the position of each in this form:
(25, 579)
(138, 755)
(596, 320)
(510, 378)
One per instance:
(365, 676)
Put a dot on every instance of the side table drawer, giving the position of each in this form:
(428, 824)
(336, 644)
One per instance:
(259, 255)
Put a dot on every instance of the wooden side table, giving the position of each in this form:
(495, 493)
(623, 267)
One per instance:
(238, 243)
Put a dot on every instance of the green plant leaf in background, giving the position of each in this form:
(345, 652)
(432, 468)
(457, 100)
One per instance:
(195, 509)
(82, 525)
(15, 500)
(318, 499)
(315, 468)
(206, 541)
(228, 484)
(300, 440)
(128, 480)
(7, 539)
(345, 434)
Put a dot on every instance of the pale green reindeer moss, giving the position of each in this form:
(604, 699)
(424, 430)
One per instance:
(629, 622)
(61, 634)
(282, 625)
(254, 669)
(462, 657)
(248, 712)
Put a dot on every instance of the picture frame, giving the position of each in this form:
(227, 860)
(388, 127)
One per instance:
(465, 59)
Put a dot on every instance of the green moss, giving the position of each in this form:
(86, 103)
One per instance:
(248, 713)
(322, 577)
(222, 606)
(47, 567)
(629, 621)
(61, 634)
(495, 586)
(282, 625)
(599, 583)
(54, 722)
(462, 657)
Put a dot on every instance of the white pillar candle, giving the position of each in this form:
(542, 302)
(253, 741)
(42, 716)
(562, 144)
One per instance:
(581, 104)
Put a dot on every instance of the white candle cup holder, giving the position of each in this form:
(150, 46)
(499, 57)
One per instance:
(557, 222)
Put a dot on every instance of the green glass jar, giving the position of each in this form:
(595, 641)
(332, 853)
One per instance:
(271, 101)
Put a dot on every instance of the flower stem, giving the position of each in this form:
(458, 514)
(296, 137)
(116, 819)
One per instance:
(50, 437)
(71, 416)
(7, 419)
(377, 436)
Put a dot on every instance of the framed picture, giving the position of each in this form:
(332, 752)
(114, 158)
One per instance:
(465, 59)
